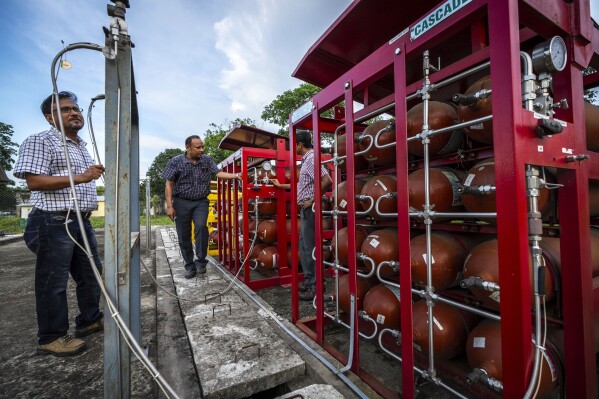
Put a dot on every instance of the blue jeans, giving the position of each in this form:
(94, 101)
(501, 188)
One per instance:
(57, 256)
(186, 211)
(306, 246)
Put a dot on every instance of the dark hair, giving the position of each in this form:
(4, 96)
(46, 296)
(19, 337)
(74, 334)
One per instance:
(188, 140)
(46, 106)
(304, 137)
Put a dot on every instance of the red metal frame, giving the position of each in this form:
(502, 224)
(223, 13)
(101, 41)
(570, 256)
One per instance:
(228, 193)
(516, 146)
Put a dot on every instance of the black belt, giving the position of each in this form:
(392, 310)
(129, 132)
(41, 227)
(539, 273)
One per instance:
(72, 214)
(190, 199)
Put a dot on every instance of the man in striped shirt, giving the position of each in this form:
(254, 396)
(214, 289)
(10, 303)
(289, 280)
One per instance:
(305, 199)
(43, 164)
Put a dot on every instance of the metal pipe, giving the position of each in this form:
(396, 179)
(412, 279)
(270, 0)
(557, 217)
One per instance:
(363, 315)
(533, 185)
(378, 201)
(529, 83)
(479, 283)
(481, 375)
(423, 373)
(352, 323)
(427, 207)
(383, 130)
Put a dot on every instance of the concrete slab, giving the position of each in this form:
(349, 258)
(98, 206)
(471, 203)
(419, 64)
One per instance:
(239, 356)
(315, 391)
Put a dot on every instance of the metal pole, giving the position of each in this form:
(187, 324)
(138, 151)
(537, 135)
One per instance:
(148, 215)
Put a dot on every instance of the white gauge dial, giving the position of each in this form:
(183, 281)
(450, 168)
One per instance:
(550, 56)
(558, 53)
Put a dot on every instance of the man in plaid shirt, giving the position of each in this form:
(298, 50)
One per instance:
(42, 163)
(187, 187)
(305, 199)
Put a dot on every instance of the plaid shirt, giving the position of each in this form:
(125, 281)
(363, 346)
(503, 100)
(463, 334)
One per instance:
(43, 154)
(305, 185)
(192, 181)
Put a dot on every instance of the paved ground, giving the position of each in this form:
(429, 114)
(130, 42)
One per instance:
(24, 374)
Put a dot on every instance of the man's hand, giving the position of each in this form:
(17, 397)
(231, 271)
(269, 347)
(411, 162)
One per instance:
(170, 211)
(307, 203)
(92, 173)
(275, 183)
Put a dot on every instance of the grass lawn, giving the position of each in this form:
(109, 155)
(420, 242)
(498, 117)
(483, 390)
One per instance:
(10, 224)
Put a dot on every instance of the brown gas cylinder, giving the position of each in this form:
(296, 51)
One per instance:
(268, 257)
(483, 351)
(444, 184)
(342, 195)
(482, 174)
(382, 303)
(552, 252)
(266, 206)
(363, 285)
(359, 162)
(440, 115)
(256, 250)
(591, 119)
(481, 132)
(267, 231)
(450, 330)
(483, 262)
(594, 198)
(251, 228)
(327, 223)
(382, 245)
(448, 253)
(378, 156)
(361, 234)
(377, 187)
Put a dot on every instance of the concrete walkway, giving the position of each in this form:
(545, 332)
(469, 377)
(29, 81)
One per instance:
(232, 345)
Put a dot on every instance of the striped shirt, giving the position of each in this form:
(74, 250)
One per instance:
(191, 181)
(43, 154)
(305, 185)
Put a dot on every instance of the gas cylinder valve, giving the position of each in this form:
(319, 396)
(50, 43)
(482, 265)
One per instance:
(481, 375)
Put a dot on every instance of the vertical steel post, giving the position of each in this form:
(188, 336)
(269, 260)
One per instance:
(121, 262)
(148, 216)
(403, 219)
(512, 229)
(351, 215)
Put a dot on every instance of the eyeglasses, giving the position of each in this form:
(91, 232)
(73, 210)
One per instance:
(68, 110)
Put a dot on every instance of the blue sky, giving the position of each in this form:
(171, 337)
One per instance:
(196, 62)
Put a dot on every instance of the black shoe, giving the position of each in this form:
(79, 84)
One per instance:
(307, 295)
(191, 273)
(302, 287)
(201, 269)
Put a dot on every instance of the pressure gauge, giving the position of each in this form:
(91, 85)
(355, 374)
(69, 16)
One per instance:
(550, 56)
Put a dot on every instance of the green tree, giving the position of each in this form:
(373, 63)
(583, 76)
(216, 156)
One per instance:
(100, 190)
(215, 133)
(590, 95)
(8, 148)
(278, 111)
(157, 183)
